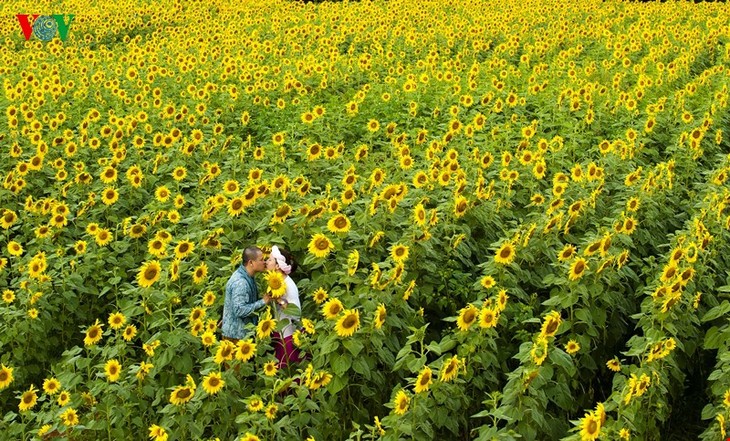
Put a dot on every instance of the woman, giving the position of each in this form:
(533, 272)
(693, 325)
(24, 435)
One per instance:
(282, 260)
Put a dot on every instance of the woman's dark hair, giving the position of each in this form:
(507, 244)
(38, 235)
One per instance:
(289, 260)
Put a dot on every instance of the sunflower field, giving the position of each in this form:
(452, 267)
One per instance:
(511, 219)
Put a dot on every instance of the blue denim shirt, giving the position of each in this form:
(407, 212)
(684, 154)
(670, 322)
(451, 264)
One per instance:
(242, 299)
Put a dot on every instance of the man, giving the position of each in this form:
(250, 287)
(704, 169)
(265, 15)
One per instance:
(242, 296)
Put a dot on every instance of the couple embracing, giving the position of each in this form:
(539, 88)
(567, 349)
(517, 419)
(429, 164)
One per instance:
(242, 300)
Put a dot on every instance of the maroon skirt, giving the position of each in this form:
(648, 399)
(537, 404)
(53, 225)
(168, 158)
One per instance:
(285, 351)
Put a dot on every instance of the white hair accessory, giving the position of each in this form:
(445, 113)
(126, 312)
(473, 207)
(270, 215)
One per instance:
(280, 260)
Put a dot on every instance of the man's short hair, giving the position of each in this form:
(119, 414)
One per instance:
(250, 253)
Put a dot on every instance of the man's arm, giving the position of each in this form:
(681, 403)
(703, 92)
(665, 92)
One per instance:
(240, 294)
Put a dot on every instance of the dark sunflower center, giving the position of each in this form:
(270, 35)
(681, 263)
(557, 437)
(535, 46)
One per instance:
(349, 322)
(552, 327)
(150, 273)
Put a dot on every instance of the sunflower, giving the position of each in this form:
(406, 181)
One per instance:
(8, 219)
(348, 323)
(63, 398)
(213, 383)
(320, 295)
(208, 298)
(109, 196)
(51, 386)
(590, 427)
(460, 206)
(136, 231)
(182, 394)
(158, 433)
(80, 247)
(502, 298)
(6, 376)
(8, 296)
(109, 175)
(669, 272)
(419, 215)
(14, 248)
(93, 334)
(424, 380)
(332, 309)
(313, 151)
(225, 352)
(539, 351)
(577, 268)
(255, 404)
(380, 314)
(629, 225)
(199, 273)
(129, 332)
(487, 282)
(265, 326)
(179, 173)
(174, 271)
(69, 417)
(44, 231)
(278, 138)
(401, 402)
(208, 338)
(320, 246)
(339, 224)
(157, 248)
(162, 194)
(28, 399)
(103, 237)
(399, 253)
(275, 284)
(281, 213)
(593, 248)
(551, 324)
(614, 365)
(320, 379)
(116, 320)
(572, 347)
(488, 318)
(112, 370)
(148, 274)
(505, 254)
(236, 206)
(245, 349)
(271, 410)
(183, 249)
(270, 368)
(450, 369)
(373, 125)
(467, 316)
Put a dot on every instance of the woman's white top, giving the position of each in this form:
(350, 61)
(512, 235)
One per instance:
(292, 298)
